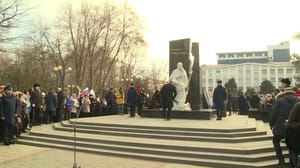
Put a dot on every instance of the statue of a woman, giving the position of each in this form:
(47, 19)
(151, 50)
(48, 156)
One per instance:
(180, 80)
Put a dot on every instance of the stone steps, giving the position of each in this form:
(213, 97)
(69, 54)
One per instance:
(248, 146)
(206, 138)
(199, 158)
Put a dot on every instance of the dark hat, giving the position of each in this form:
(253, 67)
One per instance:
(7, 87)
(219, 81)
(36, 85)
(286, 81)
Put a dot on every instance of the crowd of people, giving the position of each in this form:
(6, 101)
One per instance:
(20, 110)
(284, 106)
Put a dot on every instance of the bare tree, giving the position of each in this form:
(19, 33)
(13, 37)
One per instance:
(97, 35)
(9, 12)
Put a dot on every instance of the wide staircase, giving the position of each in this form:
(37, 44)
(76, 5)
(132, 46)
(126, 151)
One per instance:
(212, 143)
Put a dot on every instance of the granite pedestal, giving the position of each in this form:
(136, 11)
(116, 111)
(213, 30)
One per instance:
(203, 114)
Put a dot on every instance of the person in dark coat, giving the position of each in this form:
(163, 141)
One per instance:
(255, 101)
(293, 135)
(51, 103)
(243, 105)
(284, 102)
(60, 112)
(219, 96)
(111, 98)
(36, 103)
(132, 98)
(8, 112)
(168, 94)
(141, 101)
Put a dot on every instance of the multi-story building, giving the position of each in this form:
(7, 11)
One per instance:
(275, 53)
(250, 68)
(246, 74)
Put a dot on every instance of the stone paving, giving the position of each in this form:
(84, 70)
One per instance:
(22, 156)
(16, 156)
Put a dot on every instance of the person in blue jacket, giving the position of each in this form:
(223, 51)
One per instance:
(132, 98)
(219, 96)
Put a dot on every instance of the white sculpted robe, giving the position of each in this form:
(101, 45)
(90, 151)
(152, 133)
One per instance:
(180, 80)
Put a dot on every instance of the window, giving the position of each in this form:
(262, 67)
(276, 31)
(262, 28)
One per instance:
(263, 71)
(272, 71)
(210, 80)
(239, 55)
(288, 71)
(280, 71)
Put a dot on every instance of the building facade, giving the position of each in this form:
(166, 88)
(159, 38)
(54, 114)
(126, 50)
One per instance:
(275, 53)
(246, 74)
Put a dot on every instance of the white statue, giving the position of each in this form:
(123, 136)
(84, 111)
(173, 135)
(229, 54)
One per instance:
(180, 80)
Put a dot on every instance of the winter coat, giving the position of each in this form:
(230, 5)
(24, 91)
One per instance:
(168, 93)
(120, 98)
(51, 101)
(69, 104)
(219, 96)
(8, 109)
(243, 105)
(86, 105)
(281, 108)
(36, 99)
(60, 101)
(293, 136)
(141, 97)
(132, 97)
(110, 98)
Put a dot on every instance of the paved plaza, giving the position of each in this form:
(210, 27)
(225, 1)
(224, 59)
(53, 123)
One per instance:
(16, 156)
(26, 156)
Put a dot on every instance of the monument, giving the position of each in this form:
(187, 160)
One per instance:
(184, 73)
(187, 53)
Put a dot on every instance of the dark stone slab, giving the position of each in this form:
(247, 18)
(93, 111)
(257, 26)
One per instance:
(203, 114)
(179, 52)
(260, 114)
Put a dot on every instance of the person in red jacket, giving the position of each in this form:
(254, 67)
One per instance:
(298, 92)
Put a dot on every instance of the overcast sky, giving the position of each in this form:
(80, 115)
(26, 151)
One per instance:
(218, 25)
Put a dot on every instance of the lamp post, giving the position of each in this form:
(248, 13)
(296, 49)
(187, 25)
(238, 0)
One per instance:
(61, 72)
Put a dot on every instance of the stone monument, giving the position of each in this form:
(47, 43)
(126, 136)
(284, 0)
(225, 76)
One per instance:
(187, 53)
(184, 71)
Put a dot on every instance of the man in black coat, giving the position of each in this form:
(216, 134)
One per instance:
(168, 93)
(111, 98)
(132, 98)
(8, 112)
(219, 96)
(51, 103)
(36, 103)
(284, 102)
(60, 112)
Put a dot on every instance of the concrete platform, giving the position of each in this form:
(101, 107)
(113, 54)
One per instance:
(203, 114)
(234, 142)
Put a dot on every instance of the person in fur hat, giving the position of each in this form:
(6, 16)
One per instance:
(284, 102)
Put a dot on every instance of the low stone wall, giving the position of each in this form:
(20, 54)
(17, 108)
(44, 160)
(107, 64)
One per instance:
(260, 114)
